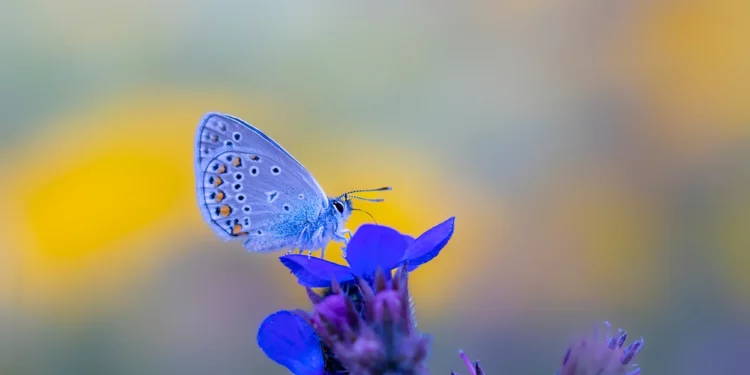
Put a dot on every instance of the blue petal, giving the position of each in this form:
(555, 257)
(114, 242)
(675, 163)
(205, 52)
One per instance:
(409, 239)
(287, 339)
(373, 247)
(315, 272)
(429, 244)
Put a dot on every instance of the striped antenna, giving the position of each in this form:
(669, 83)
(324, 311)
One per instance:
(348, 195)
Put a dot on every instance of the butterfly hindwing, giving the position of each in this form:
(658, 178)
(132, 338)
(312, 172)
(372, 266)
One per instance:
(250, 188)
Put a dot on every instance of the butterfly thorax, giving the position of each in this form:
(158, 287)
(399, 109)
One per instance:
(306, 231)
(329, 225)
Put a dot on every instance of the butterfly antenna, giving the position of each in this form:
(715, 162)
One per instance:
(384, 188)
(364, 199)
(369, 214)
(346, 195)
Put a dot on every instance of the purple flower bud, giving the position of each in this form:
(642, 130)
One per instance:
(567, 357)
(387, 306)
(631, 351)
(331, 313)
(379, 341)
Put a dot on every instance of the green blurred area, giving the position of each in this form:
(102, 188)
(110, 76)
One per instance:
(595, 154)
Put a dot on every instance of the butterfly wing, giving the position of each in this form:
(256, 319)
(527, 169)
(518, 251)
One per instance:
(250, 188)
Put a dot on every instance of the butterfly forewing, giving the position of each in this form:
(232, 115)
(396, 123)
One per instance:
(250, 188)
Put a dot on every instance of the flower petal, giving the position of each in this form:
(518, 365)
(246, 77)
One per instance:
(287, 339)
(315, 272)
(409, 239)
(373, 247)
(429, 244)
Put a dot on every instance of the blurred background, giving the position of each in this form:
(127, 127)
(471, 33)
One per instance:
(596, 154)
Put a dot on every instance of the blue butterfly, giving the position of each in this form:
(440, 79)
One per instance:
(250, 188)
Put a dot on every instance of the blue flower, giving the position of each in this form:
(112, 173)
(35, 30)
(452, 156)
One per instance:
(372, 247)
(289, 340)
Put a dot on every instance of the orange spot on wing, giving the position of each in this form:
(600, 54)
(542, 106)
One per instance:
(218, 181)
(236, 162)
(222, 169)
(254, 157)
(220, 196)
(236, 230)
(225, 210)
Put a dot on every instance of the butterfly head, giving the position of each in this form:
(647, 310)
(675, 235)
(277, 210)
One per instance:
(342, 205)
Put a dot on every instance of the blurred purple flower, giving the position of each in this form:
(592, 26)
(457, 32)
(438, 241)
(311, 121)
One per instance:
(595, 355)
(371, 248)
(474, 369)
(591, 355)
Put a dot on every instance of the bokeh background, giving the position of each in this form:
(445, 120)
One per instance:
(596, 154)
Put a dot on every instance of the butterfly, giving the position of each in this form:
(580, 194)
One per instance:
(250, 188)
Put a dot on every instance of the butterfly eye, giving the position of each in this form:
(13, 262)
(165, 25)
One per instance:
(339, 206)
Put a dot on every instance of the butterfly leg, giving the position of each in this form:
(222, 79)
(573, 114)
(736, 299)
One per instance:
(297, 249)
(342, 238)
(347, 231)
(299, 240)
(310, 252)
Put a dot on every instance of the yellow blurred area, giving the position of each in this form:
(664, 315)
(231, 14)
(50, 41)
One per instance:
(696, 64)
(84, 200)
(602, 221)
